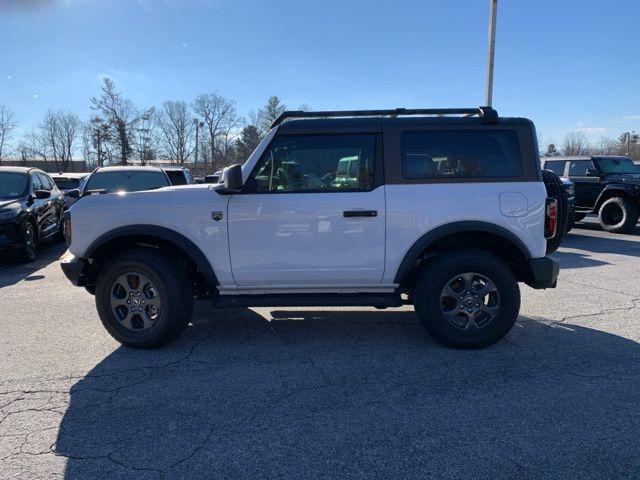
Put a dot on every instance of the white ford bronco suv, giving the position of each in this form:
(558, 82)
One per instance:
(444, 209)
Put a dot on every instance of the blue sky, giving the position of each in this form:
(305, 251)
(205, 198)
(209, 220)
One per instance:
(566, 64)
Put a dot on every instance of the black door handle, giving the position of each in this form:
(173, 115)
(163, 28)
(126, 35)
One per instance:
(360, 213)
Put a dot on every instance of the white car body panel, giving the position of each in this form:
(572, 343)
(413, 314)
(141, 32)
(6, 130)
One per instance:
(414, 210)
(303, 238)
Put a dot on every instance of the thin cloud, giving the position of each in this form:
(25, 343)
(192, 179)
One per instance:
(591, 130)
(631, 117)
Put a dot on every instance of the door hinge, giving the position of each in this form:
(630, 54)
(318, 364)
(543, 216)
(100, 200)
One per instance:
(216, 215)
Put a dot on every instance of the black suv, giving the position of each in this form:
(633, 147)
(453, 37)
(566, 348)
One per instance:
(31, 209)
(606, 185)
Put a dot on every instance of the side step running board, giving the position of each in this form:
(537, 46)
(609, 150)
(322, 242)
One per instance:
(378, 300)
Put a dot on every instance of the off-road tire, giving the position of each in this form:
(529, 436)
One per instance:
(174, 288)
(437, 274)
(556, 190)
(625, 209)
(29, 241)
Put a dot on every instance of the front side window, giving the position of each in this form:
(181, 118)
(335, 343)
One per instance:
(126, 181)
(617, 165)
(36, 184)
(461, 154)
(578, 168)
(45, 182)
(555, 167)
(316, 163)
(13, 185)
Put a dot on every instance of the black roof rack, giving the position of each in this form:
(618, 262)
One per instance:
(488, 114)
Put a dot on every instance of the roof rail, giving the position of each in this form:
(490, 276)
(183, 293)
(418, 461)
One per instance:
(487, 114)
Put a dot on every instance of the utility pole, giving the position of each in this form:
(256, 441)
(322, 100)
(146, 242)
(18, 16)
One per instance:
(493, 10)
(628, 144)
(198, 124)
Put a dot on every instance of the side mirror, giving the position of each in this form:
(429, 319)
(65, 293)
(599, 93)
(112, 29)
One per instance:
(42, 194)
(75, 193)
(231, 179)
(592, 172)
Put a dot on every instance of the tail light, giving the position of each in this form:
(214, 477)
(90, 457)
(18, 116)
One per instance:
(551, 218)
(66, 227)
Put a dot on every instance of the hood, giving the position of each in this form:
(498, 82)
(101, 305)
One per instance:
(8, 203)
(633, 178)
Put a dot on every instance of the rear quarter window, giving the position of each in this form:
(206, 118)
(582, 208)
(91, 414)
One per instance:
(555, 166)
(461, 154)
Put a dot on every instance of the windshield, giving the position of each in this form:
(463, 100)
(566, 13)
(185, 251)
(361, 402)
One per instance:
(617, 165)
(126, 181)
(13, 185)
(67, 183)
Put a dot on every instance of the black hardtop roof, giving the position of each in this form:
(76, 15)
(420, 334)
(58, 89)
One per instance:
(295, 121)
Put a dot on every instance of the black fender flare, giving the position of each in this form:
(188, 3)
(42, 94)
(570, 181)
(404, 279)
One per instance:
(627, 189)
(438, 233)
(166, 234)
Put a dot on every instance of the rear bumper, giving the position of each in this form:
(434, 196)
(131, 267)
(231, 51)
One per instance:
(542, 273)
(74, 268)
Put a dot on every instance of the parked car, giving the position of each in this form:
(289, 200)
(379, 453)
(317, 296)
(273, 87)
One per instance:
(213, 178)
(31, 210)
(68, 181)
(121, 179)
(608, 186)
(570, 189)
(448, 216)
(178, 175)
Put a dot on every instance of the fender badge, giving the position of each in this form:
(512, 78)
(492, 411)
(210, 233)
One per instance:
(216, 215)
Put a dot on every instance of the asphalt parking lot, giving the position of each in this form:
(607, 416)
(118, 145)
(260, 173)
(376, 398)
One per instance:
(327, 393)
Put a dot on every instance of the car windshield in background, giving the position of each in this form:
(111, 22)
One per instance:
(12, 185)
(177, 177)
(126, 181)
(67, 183)
(617, 165)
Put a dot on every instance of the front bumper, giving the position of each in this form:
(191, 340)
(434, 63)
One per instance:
(9, 236)
(542, 273)
(74, 268)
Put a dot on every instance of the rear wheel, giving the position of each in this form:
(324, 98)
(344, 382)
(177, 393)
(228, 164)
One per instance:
(467, 299)
(618, 215)
(144, 299)
(29, 240)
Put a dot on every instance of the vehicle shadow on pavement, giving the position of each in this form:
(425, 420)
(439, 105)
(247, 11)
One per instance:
(14, 270)
(583, 246)
(356, 394)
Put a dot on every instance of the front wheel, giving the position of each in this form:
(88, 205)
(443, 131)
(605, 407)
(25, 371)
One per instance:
(467, 299)
(143, 298)
(29, 240)
(618, 215)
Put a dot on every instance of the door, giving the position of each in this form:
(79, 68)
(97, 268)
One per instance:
(587, 187)
(311, 215)
(51, 213)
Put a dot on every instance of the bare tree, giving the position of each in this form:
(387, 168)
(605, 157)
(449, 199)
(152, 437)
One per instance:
(575, 143)
(145, 136)
(121, 116)
(605, 146)
(177, 130)
(8, 124)
(60, 129)
(220, 119)
(34, 145)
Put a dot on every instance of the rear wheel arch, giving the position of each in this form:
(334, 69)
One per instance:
(485, 236)
(153, 236)
(622, 191)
